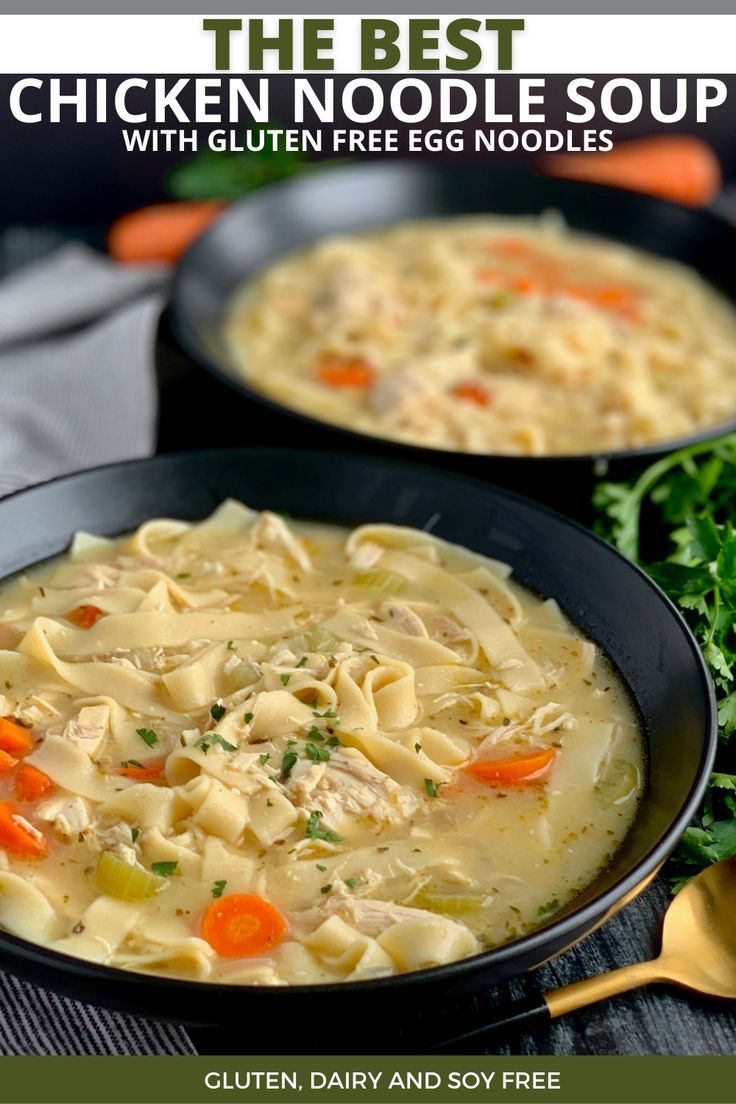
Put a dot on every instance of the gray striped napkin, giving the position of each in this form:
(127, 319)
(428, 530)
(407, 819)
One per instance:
(76, 365)
(78, 389)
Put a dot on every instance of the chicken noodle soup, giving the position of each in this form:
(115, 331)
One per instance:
(490, 335)
(263, 752)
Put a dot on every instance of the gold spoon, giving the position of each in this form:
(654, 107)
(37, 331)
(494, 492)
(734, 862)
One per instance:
(698, 953)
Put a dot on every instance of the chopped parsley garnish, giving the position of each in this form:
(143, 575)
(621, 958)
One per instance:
(351, 882)
(327, 713)
(333, 741)
(317, 754)
(285, 680)
(164, 869)
(184, 575)
(417, 748)
(302, 662)
(326, 888)
(218, 888)
(217, 712)
(247, 718)
(314, 831)
(551, 906)
(432, 787)
(269, 803)
(321, 867)
(288, 763)
(131, 763)
(210, 739)
(147, 735)
(134, 833)
(232, 646)
(314, 734)
(264, 756)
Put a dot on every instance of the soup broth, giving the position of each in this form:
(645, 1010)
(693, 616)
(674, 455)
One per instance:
(266, 752)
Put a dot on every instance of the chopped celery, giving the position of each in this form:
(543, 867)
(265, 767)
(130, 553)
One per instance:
(384, 583)
(621, 781)
(452, 904)
(120, 879)
(316, 639)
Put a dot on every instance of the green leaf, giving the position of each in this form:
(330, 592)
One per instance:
(164, 869)
(147, 735)
(218, 888)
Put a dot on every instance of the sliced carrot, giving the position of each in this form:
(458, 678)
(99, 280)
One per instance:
(14, 739)
(242, 925)
(150, 773)
(515, 771)
(679, 167)
(161, 232)
(472, 392)
(32, 784)
(7, 763)
(84, 617)
(346, 372)
(616, 298)
(18, 836)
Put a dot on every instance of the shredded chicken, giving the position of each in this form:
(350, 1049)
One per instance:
(403, 618)
(88, 729)
(348, 786)
(395, 391)
(372, 917)
(272, 533)
(68, 815)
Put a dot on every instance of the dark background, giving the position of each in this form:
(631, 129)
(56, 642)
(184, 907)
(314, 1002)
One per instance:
(82, 173)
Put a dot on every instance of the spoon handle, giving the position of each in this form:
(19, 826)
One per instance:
(538, 1009)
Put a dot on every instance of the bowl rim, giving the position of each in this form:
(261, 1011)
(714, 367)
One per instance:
(241, 386)
(563, 930)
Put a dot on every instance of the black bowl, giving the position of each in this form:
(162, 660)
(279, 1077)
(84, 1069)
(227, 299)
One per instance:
(612, 601)
(254, 232)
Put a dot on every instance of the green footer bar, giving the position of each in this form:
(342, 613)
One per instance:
(356, 1080)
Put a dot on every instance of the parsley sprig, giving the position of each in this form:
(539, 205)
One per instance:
(691, 495)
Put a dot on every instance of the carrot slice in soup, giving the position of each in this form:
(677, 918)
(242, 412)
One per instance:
(32, 784)
(346, 372)
(84, 617)
(472, 392)
(514, 771)
(14, 739)
(151, 772)
(7, 763)
(242, 925)
(18, 836)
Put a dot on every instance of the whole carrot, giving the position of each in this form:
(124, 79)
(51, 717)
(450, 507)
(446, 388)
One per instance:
(676, 167)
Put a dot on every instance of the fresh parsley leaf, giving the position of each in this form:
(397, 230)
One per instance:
(164, 869)
(147, 735)
(218, 888)
(317, 754)
(285, 680)
(210, 739)
(551, 906)
(264, 757)
(247, 718)
(134, 834)
(321, 867)
(315, 735)
(326, 888)
(432, 787)
(327, 713)
(302, 661)
(351, 883)
(232, 646)
(288, 763)
(315, 831)
(675, 520)
(417, 748)
(217, 712)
